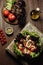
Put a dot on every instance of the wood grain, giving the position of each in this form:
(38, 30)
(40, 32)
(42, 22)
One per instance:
(30, 5)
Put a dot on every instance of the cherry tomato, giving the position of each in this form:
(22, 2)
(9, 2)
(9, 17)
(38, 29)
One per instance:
(5, 13)
(5, 40)
(3, 35)
(2, 40)
(11, 17)
(2, 43)
(0, 36)
(0, 30)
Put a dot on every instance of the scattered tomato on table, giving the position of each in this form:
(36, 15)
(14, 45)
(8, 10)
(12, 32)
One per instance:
(3, 39)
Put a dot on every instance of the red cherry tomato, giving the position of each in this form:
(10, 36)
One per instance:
(2, 40)
(0, 30)
(11, 17)
(5, 13)
(0, 36)
(5, 40)
(3, 35)
(2, 43)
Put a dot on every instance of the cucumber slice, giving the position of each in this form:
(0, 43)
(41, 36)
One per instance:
(9, 4)
(8, 1)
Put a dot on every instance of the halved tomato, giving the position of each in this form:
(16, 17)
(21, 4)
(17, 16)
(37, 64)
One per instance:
(11, 17)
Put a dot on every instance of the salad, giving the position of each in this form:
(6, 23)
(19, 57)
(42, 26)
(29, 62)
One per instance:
(14, 11)
(27, 44)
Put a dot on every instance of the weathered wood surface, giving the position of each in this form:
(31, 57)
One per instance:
(30, 5)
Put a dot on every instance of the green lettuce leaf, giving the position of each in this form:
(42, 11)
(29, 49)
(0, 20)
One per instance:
(33, 55)
(17, 51)
(24, 32)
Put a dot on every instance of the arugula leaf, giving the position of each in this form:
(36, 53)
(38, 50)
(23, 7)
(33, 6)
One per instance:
(24, 32)
(39, 42)
(33, 55)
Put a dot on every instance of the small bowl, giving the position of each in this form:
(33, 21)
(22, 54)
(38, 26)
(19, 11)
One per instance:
(9, 30)
(35, 15)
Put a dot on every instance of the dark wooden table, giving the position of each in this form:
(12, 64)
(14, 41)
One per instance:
(6, 59)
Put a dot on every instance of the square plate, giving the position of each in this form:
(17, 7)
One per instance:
(29, 27)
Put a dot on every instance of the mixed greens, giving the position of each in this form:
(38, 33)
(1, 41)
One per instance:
(17, 51)
(27, 43)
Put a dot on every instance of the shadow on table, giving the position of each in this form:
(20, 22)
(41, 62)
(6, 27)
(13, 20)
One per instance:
(36, 61)
(14, 59)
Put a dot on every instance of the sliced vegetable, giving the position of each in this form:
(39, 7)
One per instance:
(9, 4)
(8, 1)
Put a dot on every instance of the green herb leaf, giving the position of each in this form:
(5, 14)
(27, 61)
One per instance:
(17, 51)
